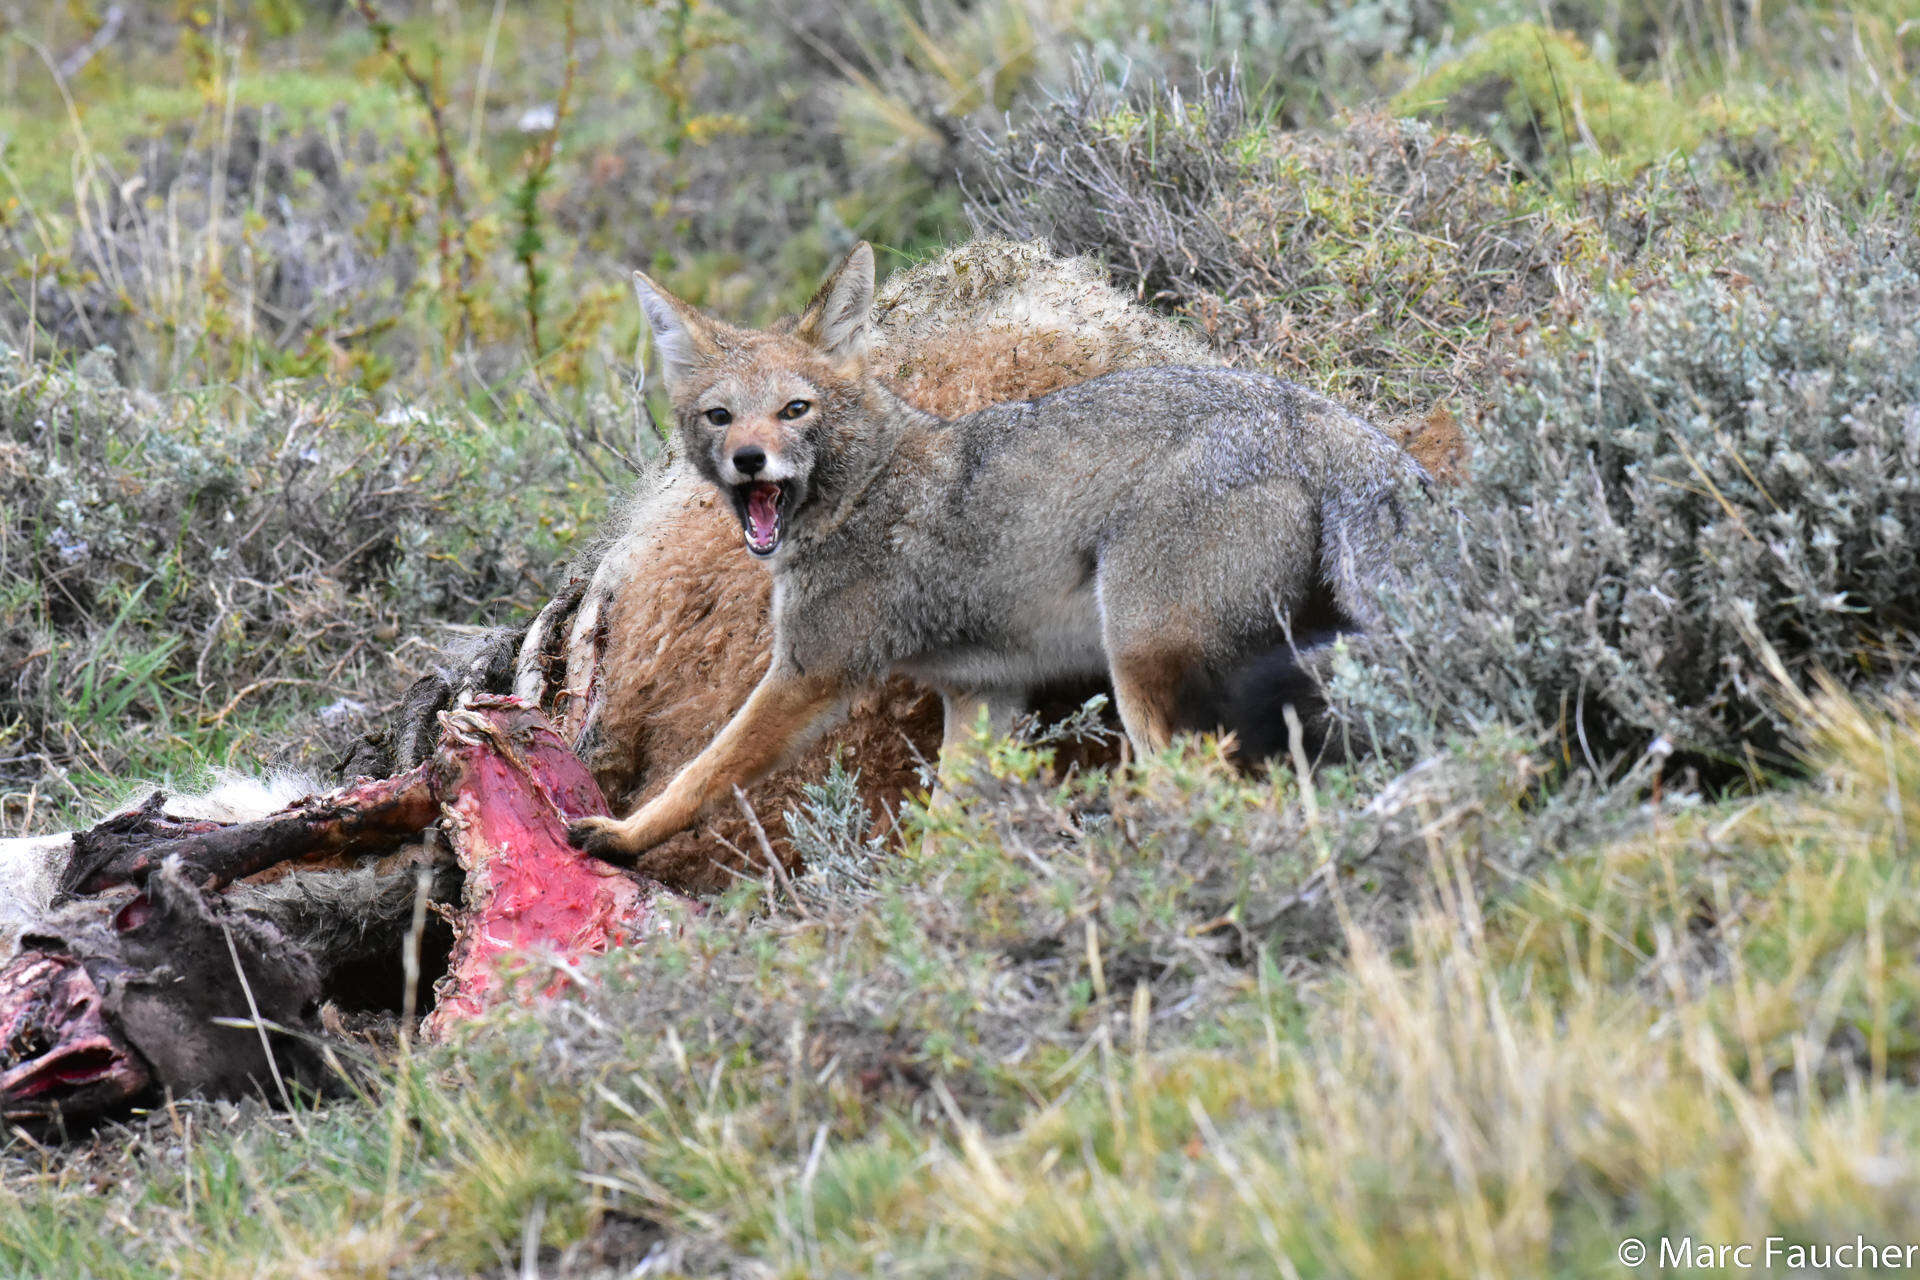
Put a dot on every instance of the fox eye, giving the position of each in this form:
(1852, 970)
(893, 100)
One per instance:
(719, 417)
(795, 409)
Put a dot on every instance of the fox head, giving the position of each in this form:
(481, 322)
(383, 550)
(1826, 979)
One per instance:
(758, 409)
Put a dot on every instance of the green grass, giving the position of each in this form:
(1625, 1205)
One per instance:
(1778, 116)
(109, 120)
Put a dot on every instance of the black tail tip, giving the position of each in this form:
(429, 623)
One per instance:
(1255, 698)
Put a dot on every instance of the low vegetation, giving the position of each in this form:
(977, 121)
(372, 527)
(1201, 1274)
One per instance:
(1468, 1030)
(184, 569)
(1703, 487)
(1382, 259)
(320, 355)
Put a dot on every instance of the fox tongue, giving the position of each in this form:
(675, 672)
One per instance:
(763, 513)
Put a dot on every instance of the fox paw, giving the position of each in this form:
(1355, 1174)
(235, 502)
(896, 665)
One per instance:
(601, 838)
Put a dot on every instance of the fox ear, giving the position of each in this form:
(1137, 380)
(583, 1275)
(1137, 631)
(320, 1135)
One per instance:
(682, 336)
(836, 320)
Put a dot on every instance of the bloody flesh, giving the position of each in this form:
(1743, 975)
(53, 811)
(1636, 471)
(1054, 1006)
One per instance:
(509, 787)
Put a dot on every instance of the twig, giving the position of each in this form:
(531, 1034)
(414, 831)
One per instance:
(73, 63)
(484, 79)
(220, 716)
(1303, 776)
(528, 244)
(266, 1043)
(452, 201)
(410, 952)
(774, 864)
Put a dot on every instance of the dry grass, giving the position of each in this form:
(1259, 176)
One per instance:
(1385, 261)
(186, 571)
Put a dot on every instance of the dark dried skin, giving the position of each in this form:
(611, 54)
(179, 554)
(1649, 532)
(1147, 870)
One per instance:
(367, 817)
(118, 997)
(121, 849)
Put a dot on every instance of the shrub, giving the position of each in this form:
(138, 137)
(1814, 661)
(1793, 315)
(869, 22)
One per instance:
(1304, 55)
(1729, 459)
(1544, 98)
(176, 563)
(960, 959)
(1797, 98)
(1372, 262)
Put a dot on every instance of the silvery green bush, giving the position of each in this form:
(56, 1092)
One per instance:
(1691, 475)
(171, 564)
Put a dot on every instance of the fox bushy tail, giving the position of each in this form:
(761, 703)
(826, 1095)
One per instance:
(1361, 515)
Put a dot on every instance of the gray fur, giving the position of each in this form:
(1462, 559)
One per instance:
(1025, 542)
(346, 915)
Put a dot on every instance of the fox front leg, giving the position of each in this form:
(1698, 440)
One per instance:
(776, 719)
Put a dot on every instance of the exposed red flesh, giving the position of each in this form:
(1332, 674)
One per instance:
(61, 1052)
(73, 1064)
(510, 786)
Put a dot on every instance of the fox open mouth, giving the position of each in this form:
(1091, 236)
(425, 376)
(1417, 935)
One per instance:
(762, 505)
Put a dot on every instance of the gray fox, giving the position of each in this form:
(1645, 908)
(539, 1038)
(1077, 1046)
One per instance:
(1159, 526)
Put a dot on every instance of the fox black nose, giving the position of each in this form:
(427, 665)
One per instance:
(750, 461)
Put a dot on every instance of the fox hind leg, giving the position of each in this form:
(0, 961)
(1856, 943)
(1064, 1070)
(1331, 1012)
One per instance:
(1147, 685)
(1003, 707)
(963, 708)
(1155, 648)
(1182, 601)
